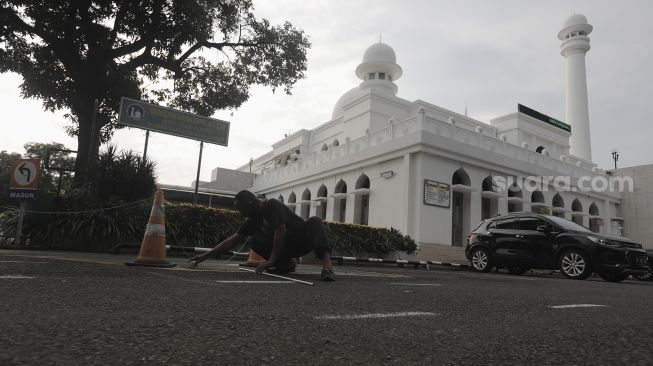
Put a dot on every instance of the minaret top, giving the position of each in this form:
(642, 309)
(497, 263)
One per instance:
(575, 26)
(379, 58)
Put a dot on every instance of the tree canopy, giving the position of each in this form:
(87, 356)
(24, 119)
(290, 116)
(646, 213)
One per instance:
(195, 55)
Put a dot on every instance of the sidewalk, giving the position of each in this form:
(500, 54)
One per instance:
(442, 253)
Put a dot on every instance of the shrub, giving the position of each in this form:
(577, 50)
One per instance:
(186, 225)
(123, 176)
(354, 239)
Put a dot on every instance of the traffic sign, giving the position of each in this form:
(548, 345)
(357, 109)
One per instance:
(25, 174)
(24, 178)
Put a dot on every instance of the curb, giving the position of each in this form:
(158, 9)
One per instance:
(339, 259)
(400, 262)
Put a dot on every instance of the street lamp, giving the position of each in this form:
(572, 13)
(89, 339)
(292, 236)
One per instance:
(615, 157)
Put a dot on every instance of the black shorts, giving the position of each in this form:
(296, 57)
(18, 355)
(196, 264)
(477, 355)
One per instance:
(301, 241)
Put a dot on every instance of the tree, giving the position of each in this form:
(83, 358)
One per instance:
(55, 160)
(5, 161)
(194, 55)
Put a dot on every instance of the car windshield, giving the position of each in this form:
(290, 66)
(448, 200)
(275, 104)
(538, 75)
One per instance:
(568, 225)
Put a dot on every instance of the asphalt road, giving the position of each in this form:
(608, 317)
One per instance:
(85, 309)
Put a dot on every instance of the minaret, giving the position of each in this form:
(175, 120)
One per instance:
(575, 44)
(379, 69)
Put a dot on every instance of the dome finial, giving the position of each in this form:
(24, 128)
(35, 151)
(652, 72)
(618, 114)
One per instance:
(380, 38)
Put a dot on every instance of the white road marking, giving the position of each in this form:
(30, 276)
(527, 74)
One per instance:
(375, 315)
(414, 284)
(577, 306)
(236, 281)
(15, 277)
(23, 262)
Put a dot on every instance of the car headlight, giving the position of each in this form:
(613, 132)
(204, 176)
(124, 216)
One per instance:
(606, 243)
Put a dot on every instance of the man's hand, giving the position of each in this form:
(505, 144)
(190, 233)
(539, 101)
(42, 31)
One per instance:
(198, 259)
(263, 265)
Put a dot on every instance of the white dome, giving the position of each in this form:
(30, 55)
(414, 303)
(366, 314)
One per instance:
(380, 52)
(575, 19)
(345, 99)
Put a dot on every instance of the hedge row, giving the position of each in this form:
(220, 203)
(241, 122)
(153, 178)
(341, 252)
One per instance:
(186, 225)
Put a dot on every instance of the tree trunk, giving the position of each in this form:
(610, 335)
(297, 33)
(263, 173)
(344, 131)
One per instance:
(84, 116)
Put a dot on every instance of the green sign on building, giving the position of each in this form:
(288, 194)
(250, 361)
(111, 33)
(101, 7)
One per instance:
(543, 117)
(170, 121)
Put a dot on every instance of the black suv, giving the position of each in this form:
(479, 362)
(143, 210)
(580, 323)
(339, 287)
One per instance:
(522, 241)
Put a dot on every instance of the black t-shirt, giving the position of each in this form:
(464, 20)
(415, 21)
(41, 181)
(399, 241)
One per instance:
(272, 214)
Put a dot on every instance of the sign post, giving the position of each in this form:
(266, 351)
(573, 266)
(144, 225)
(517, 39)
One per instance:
(151, 117)
(23, 186)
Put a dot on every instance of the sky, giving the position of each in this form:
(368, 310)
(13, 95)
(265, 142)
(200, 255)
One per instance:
(485, 56)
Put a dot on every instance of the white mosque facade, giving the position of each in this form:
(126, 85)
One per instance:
(432, 173)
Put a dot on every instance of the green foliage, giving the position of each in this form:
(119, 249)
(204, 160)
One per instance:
(354, 239)
(71, 53)
(123, 176)
(199, 226)
(56, 156)
(5, 161)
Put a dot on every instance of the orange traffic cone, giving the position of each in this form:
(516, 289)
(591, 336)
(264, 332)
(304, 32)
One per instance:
(153, 249)
(253, 260)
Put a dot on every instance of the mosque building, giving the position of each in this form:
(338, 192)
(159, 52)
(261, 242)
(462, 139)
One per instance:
(435, 174)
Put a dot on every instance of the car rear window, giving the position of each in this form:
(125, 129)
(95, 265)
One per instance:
(480, 225)
(502, 224)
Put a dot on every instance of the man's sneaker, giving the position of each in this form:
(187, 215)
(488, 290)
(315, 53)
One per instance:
(327, 274)
(282, 268)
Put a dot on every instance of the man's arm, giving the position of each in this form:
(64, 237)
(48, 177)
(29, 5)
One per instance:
(223, 246)
(277, 245)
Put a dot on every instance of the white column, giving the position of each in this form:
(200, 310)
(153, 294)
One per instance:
(330, 214)
(475, 206)
(349, 213)
(407, 198)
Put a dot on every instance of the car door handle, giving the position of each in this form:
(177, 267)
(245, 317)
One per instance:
(519, 236)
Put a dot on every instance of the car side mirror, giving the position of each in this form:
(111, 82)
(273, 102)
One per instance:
(543, 229)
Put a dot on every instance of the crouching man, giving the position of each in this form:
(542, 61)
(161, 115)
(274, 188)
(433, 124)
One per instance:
(278, 235)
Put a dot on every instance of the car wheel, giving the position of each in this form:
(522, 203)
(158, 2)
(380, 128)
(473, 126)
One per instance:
(575, 264)
(613, 276)
(480, 260)
(516, 270)
(645, 277)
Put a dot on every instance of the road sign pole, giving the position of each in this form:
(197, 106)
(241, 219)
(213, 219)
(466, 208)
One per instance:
(19, 229)
(147, 139)
(197, 180)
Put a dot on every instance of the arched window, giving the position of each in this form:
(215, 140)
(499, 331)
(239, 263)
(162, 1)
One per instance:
(489, 202)
(306, 204)
(515, 190)
(362, 200)
(336, 142)
(340, 203)
(558, 202)
(280, 198)
(515, 204)
(595, 221)
(325, 147)
(322, 202)
(488, 184)
(460, 176)
(576, 206)
(537, 197)
(341, 187)
(594, 210)
(363, 182)
(460, 208)
(292, 198)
